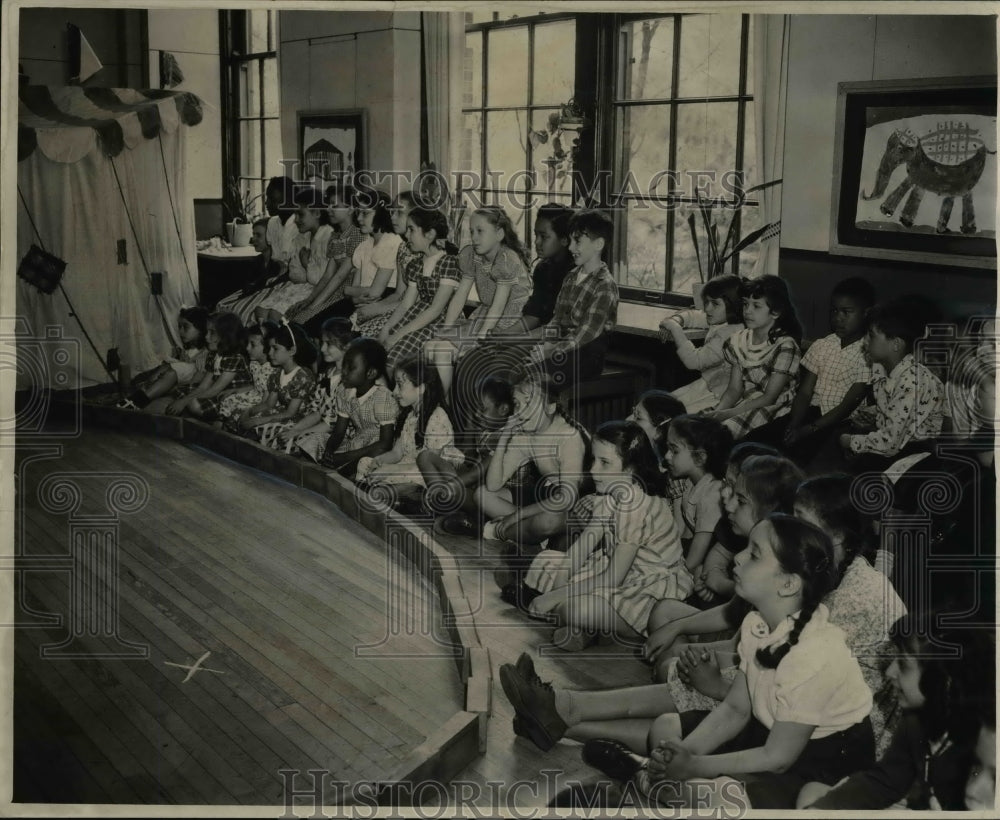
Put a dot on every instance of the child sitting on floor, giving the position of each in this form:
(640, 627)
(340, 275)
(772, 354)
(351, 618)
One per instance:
(232, 405)
(697, 449)
(628, 556)
(534, 477)
(185, 366)
(929, 756)
(764, 359)
(423, 424)
(310, 433)
(365, 408)
(724, 313)
(229, 368)
(450, 486)
(292, 355)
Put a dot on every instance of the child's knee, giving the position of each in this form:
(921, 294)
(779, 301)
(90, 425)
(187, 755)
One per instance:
(665, 727)
(661, 671)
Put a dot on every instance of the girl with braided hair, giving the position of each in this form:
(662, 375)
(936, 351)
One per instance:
(797, 711)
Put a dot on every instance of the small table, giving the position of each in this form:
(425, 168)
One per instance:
(222, 271)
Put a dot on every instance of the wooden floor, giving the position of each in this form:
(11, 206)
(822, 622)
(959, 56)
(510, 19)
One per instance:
(276, 584)
(280, 587)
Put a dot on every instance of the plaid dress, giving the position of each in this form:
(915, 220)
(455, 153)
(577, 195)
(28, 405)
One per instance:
(299, 385)
(231, 407)
(322, 402)
(235, 364)
(340, 246)
(367, 415)
(372, 327)
(445, 273)
(757, 363)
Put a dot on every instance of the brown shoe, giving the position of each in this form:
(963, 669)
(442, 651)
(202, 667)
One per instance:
(535, 705)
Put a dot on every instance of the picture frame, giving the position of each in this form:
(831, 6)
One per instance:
(332, 144)
(915, 171)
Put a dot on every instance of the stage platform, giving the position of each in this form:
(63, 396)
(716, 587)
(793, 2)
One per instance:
(342, 639)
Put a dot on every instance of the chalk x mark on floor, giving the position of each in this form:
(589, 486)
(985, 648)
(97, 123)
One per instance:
(196, 667)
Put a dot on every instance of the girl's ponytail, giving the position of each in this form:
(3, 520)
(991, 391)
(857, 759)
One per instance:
(806, 551)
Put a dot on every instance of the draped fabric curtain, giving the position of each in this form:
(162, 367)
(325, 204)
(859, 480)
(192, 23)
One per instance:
(444, 51)
(770, 84)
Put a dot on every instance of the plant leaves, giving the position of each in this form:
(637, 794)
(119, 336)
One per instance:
(694, 240)
(750, 238)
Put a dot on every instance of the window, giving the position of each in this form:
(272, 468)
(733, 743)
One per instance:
(517, 74)
(679, 101)
(251, 95)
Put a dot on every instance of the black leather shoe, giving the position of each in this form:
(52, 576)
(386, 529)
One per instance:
(611, 757)
(535, 705)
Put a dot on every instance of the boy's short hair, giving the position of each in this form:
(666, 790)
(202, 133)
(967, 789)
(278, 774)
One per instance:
(262, 222)
(857, 288)
(558, 216)
(497, 390)
(596, 224)
(905, 317)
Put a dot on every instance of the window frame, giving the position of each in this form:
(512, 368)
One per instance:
(611, 150)
(535, 193)
(233, 38)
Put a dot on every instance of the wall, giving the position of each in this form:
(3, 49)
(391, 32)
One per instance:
(116, 36)
(350, 59)
(828, 49)
(192, 36)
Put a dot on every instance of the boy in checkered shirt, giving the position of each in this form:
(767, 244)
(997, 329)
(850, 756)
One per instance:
(835, 372)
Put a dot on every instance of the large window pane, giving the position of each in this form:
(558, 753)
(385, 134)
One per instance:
(645, 139)
(250, 139)
(555, 50)
(472, 70)
(706, 141)
(508, 67)
(749, 222)
(710, 55)
(685, 264)
(506, 135)
(646, 59)
(473, 17)
(645, 232)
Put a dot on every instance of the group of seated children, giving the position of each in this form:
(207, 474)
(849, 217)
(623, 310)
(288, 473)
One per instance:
(812, 686)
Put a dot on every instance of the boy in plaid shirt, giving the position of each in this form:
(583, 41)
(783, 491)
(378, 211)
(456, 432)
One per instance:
(573, 344)
(835, 372)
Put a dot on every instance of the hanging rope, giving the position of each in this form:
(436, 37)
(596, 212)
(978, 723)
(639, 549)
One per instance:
(72, 310)
(173, 213)
(163, 316)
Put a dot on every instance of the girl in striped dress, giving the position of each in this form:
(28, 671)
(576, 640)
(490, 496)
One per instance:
(765, 359)
(626, 559)
(371, 318)
(431, 282)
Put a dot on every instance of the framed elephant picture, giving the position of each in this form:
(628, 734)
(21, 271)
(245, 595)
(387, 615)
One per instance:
(915, 173)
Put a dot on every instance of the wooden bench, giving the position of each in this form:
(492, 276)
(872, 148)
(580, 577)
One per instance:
(611, 395)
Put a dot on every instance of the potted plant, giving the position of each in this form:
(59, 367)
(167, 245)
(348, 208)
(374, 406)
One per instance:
(718, 254)
(563, 128)
(240, 206)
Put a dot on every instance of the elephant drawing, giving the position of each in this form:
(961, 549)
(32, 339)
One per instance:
(947, 161)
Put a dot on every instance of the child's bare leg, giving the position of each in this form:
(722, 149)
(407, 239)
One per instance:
(158, 406)
(441, 354)
(162, 386)
(445, 492)
(591, 614)
(622, 714)
(494, 504)
(535, 528)
(668, 610)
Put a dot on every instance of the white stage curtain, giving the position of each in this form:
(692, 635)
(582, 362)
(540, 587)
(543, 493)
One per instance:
(770, 84)
(444, 51)
(80, 216)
